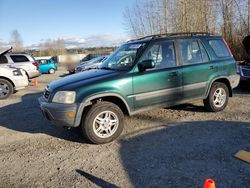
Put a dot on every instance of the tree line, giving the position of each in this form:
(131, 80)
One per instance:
(229, 18)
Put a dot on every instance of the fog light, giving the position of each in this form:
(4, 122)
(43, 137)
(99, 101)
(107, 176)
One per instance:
(71, 114)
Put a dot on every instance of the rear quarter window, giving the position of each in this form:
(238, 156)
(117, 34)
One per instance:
(19, 58)
(219, 48)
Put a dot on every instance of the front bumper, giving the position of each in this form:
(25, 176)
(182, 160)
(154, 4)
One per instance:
(20, 82)
(57, 113)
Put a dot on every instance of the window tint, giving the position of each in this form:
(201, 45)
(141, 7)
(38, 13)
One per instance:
(3, 60)
(19, 58)
(191, 53)
(219, 48)
(163, 54)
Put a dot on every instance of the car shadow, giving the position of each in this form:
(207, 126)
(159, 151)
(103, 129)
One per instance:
(189, 107)
(243, 88)
(25, 116)
(97, 181)
(185, 154)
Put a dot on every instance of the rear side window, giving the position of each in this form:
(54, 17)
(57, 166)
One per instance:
(190, 51)
(219, 48)
(19, 58)
(3, 60)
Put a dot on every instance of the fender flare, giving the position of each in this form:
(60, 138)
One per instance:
(87, 101)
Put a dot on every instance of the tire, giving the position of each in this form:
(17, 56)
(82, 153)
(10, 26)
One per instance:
(6, 89)
(51, 71)
(217, 99)
(96, 120)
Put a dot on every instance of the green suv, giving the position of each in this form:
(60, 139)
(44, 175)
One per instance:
(150, 72)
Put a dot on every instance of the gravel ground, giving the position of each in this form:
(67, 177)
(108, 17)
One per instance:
(174, 147)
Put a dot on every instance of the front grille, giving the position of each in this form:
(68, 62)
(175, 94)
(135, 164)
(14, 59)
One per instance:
(246, 72)
(46, 94)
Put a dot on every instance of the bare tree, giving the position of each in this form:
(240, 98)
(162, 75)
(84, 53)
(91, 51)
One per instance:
(230, 18)
(16, 40)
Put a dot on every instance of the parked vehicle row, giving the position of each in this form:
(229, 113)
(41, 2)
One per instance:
(17, 67)
(146, 73)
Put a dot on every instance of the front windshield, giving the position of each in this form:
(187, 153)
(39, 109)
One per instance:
(123, 58)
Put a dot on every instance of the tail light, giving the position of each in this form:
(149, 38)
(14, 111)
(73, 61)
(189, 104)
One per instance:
(35, 64)
(230, 51)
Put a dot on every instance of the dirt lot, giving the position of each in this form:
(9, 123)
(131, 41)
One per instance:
(177, 147)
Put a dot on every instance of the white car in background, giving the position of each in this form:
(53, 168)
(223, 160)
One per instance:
(20, 60)
(11, 79)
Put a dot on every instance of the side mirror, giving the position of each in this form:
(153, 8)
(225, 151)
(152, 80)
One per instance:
(146, 64)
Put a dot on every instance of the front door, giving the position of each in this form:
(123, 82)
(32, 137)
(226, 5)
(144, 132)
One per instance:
(161, 84)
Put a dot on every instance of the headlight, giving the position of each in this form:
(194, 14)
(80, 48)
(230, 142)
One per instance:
(17, 73)
(66, 97)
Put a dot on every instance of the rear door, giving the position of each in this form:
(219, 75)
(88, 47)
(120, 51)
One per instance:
(196, 68)
(161, 84)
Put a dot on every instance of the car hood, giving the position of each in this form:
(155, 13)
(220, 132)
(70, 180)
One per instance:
(81, 78)
(5, 52)
(246, 43)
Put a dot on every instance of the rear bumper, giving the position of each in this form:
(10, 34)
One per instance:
(244, 79)
(234, 80)
(33, 73)
(57, 114)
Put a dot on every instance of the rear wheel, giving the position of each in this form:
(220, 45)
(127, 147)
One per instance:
(6, 89)
(217, 99)
(51, 71)
(103, 122)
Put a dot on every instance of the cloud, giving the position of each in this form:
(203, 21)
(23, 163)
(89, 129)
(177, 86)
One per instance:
(102, 40)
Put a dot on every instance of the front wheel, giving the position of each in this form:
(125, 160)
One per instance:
(6, 89)
(103, 122)
(218, 97)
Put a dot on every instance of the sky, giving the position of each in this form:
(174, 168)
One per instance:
(78, 22)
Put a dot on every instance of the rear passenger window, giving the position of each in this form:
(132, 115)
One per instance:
(190, 51)
(19, 58)
(219, 48)
(3, 60)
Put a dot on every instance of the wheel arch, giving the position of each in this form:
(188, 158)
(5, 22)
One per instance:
(109, 97)
(222, 80)
(5, 78)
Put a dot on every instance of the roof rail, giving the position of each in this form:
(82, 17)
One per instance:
(172, 35)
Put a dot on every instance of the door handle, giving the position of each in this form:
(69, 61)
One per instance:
(211, 67)
(172, 74)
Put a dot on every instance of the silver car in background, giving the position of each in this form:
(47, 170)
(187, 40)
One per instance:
(91, 64)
